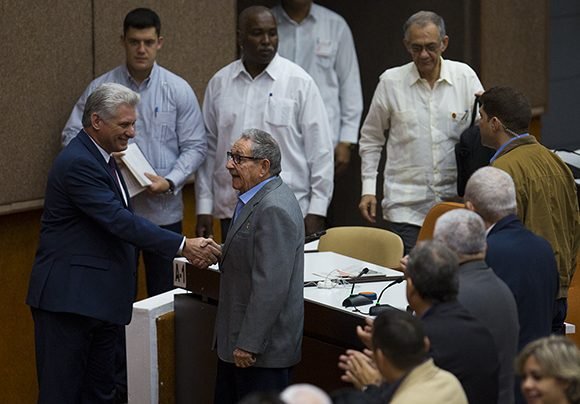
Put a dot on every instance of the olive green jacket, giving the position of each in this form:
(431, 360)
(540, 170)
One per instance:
(546, 198)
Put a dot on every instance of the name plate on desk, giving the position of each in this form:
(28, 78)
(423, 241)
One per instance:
(204, 282)
(179, 273)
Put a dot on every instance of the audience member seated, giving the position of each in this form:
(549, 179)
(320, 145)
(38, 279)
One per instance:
(523, 260)
(459, 343)
(400, 352)
(481, 292)
(550, 371)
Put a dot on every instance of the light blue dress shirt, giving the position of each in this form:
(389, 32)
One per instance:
(170, 133)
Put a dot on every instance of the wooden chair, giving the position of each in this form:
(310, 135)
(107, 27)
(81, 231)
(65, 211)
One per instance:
(426, 232)
(377, 246)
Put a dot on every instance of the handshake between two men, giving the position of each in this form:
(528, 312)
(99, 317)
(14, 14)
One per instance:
(201, 252)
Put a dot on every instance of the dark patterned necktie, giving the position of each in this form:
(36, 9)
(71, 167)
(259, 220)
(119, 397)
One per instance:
(113, 168)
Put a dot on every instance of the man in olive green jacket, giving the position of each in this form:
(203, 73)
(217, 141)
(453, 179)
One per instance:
(545, 187)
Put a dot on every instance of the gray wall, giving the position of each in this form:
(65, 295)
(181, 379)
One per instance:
(561, 123)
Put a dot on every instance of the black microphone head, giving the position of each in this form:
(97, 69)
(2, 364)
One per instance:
(364, 271)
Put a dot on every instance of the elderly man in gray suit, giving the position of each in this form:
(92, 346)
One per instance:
(261, 306)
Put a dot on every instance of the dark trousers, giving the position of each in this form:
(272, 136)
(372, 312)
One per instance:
(408, 232)
(75, 358)
(233, 383)
(158, 270)
(560, 311)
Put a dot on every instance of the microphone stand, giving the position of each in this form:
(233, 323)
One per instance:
(356, 300)
(378, 308)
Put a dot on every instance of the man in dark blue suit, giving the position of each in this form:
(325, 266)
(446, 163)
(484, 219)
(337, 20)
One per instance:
(523, 260)
(83, 281)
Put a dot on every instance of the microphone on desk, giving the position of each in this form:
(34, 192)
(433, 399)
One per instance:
(357, 300)
(314, 236)
(378, 308)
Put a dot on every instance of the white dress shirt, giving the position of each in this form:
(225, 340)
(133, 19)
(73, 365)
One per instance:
(322, 44)
(284, 101)
(169, 132)
(423, 124)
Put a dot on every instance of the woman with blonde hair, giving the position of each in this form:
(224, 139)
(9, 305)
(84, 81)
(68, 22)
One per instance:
(550, 371)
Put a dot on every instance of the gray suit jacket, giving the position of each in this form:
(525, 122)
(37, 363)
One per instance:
(261, 303)
(492, 303)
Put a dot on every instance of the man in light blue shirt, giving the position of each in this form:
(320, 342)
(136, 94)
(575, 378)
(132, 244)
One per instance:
(171, 132)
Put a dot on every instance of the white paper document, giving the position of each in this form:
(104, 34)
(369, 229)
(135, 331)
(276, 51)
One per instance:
(136, 165)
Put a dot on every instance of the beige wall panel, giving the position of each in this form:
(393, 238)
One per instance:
(199, 36)
(514, 47)
(45, 61)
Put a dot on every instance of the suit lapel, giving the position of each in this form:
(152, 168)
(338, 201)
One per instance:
(246, 212)
(85, 139)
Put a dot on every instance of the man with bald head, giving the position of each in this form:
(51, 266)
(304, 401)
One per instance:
(481, 292)
(265, 91)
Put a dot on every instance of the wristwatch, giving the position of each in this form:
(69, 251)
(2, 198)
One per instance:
(171, 188)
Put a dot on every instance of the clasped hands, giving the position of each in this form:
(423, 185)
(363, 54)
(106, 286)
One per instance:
(201, 252)
(244, 359)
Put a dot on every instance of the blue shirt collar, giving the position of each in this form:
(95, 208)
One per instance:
(250, 193)
(503, 146)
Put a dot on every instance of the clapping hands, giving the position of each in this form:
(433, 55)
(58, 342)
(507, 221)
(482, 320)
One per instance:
(359, 369)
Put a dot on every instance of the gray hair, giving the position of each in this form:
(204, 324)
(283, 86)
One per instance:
(304, 393)
(423, 18)
(265, 146)
(105, 100)
(559, 358)
(433, 268)
(462, 230)
(492, 192)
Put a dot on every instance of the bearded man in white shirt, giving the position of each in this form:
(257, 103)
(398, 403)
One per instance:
(424, 105)
(265, 91)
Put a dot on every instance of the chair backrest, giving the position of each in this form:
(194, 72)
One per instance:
(426, 232)
(377, 246)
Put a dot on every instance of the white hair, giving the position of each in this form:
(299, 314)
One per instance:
(304, 393)
(462, 230)
(492, 192)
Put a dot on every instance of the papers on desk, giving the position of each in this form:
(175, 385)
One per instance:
(351, 271)
(328, 265)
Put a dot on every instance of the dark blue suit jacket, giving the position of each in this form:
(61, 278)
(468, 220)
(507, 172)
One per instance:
(526, 263)
(86, 261)
(463, 346)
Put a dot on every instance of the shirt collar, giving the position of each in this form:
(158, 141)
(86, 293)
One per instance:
(313, 14)
(274, 69)
(506, 144)
(444, 73)
(250, 193)
(147, 82)
(105, 155)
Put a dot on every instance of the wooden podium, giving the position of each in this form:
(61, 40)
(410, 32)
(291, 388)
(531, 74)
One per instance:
(327, 334)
